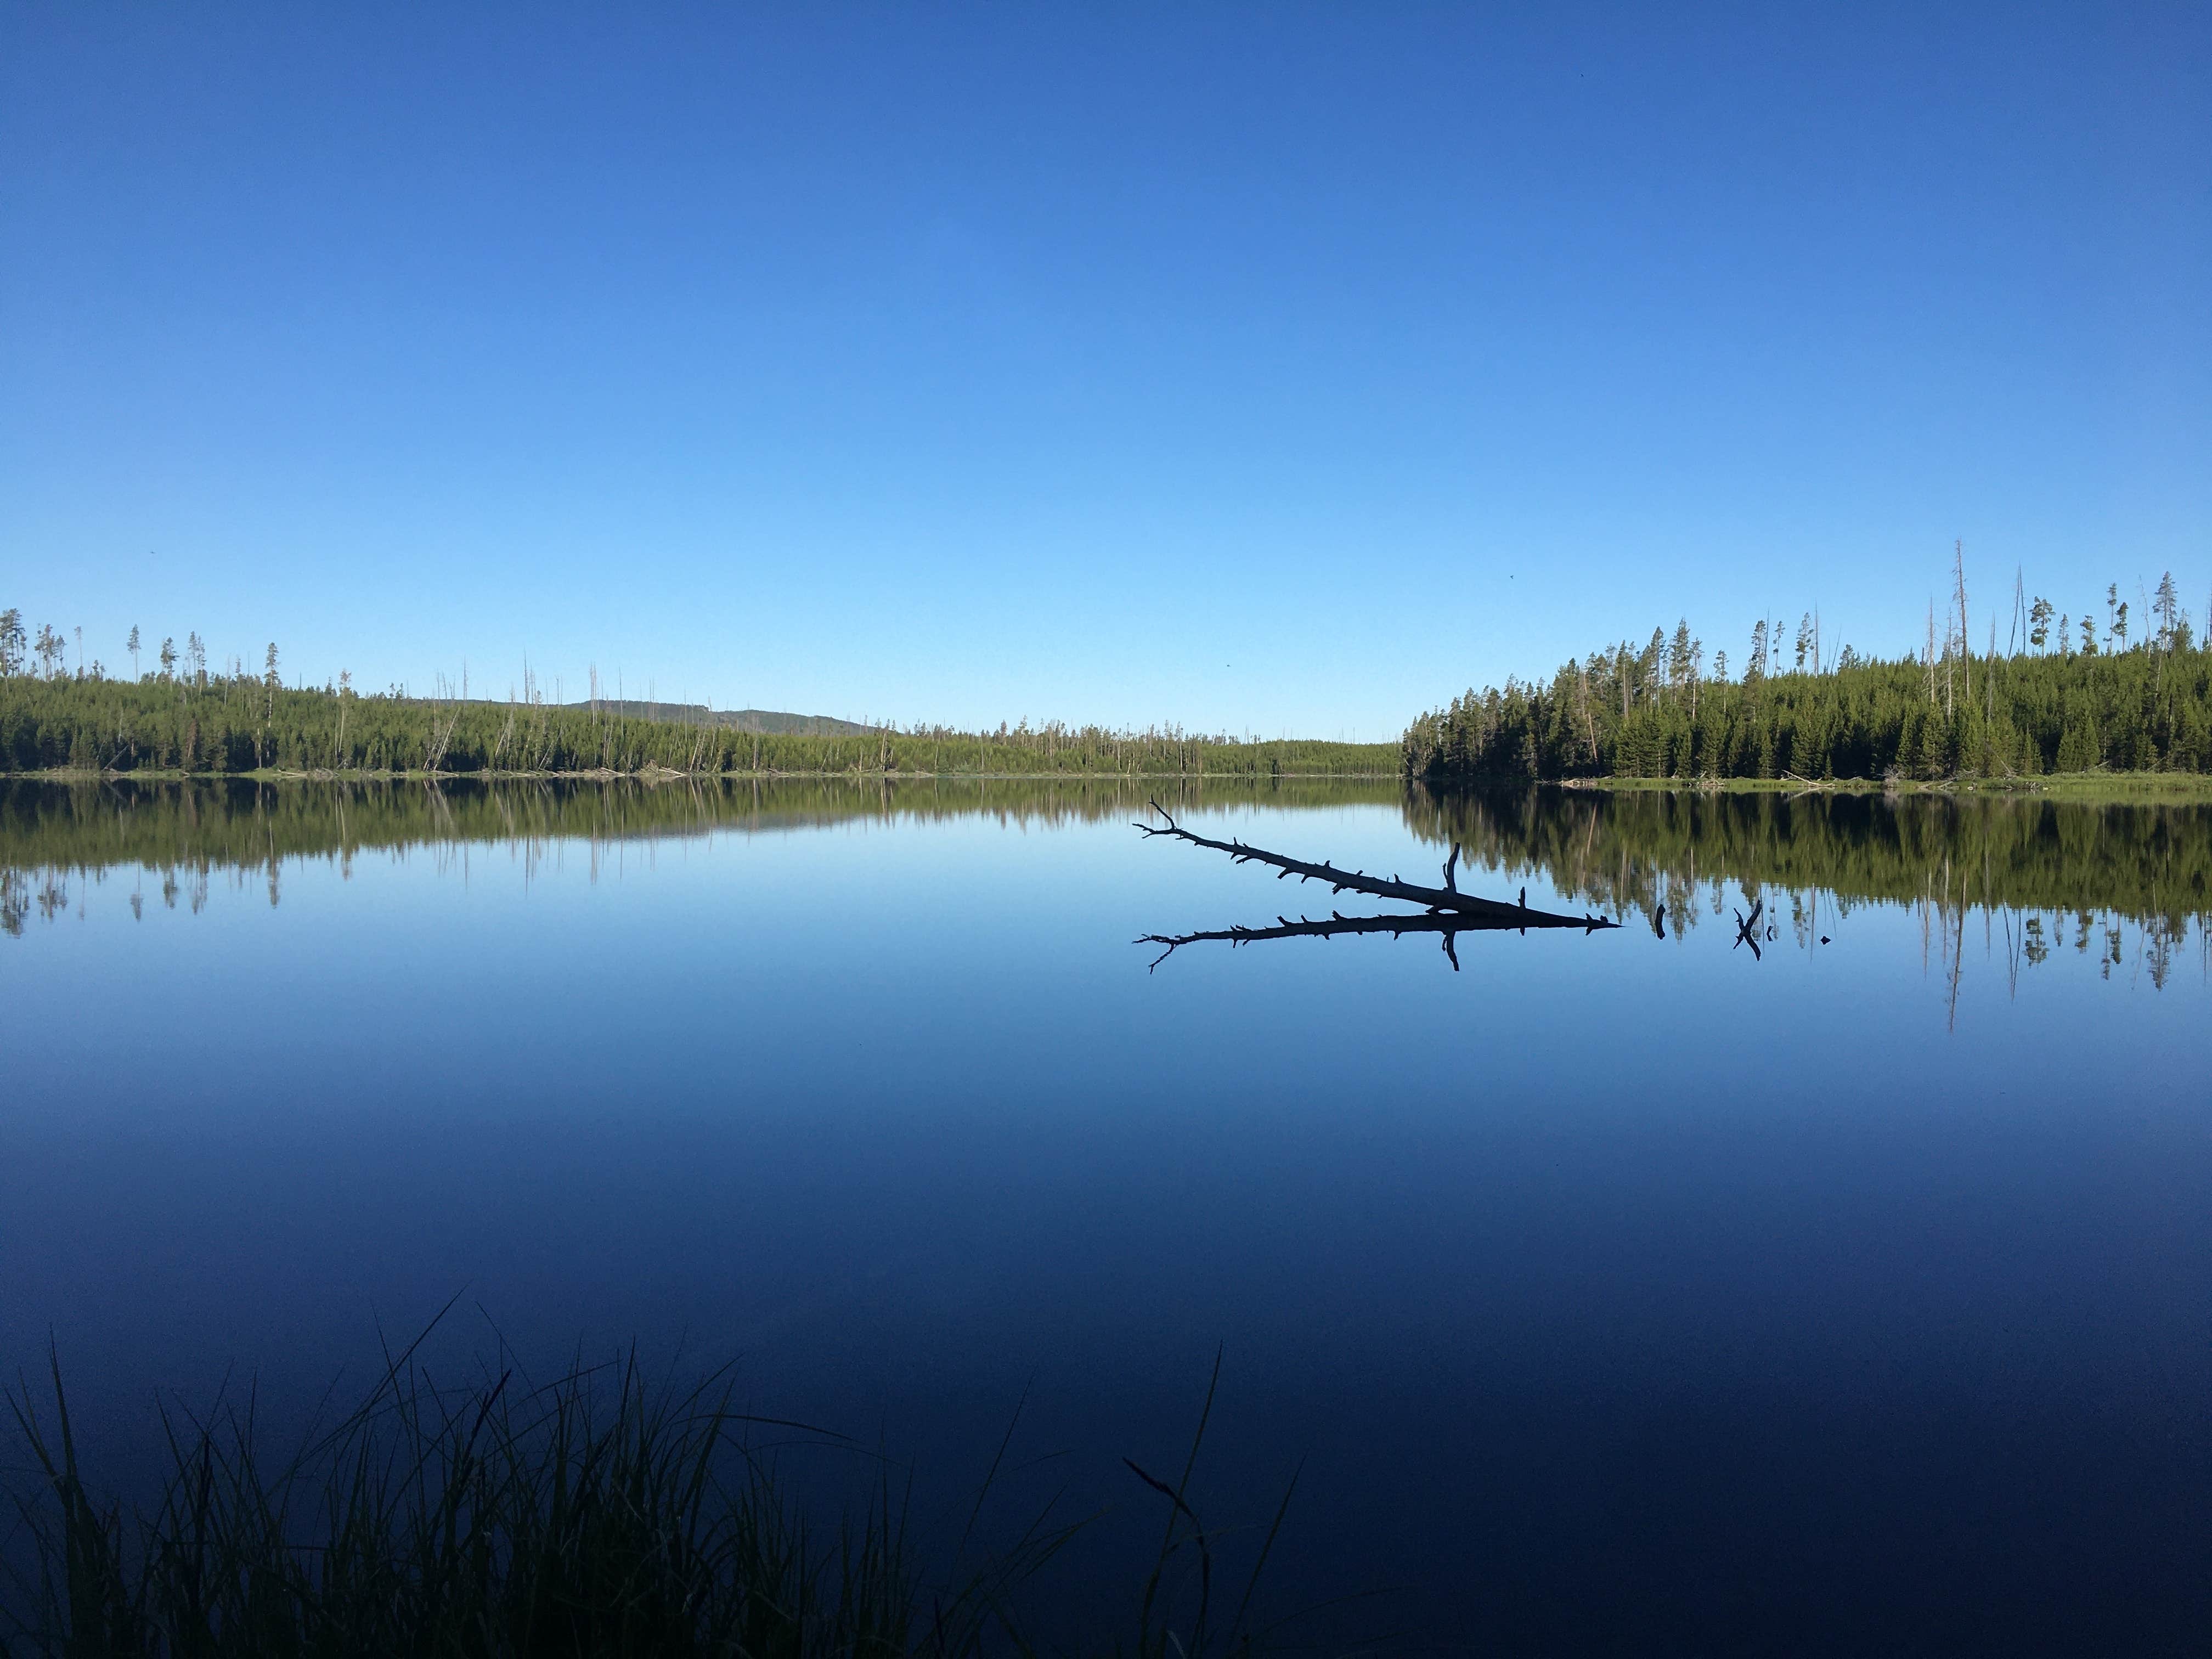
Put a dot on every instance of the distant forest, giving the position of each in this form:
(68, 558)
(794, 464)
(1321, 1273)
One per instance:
(180, 715)
(742, 720)
(2063, 696)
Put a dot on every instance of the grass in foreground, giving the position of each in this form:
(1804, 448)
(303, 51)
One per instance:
(597, 1515)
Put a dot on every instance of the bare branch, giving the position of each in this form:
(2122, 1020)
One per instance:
(1449, 926)
(1445, 898)
(1747, 928)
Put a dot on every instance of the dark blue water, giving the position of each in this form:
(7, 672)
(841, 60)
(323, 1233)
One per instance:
(1616, 1294)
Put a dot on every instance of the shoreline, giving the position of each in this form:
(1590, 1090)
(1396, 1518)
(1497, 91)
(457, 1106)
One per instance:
(656, 774)
(2084, 787)
(2081, 787)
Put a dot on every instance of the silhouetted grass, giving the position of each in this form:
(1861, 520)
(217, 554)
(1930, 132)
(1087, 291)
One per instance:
(598, 1514)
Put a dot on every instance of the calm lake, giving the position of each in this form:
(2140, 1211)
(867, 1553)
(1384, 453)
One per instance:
(1613, 1293)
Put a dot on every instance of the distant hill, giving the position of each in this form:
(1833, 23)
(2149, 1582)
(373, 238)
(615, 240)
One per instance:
(767, 721)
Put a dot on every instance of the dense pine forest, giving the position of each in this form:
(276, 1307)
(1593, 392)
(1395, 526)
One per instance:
(183, 717)
(2053, 703)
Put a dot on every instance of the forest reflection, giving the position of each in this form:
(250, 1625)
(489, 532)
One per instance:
(58, 841)
(2111, 883)
(2117, 882)
(237, 821)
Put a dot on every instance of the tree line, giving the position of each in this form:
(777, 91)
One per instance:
(2053, 699)
(183, 715)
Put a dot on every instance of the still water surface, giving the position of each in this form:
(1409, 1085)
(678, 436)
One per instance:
(1616, 1293)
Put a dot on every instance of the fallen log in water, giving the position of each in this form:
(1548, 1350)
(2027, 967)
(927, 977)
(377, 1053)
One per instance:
(1448, 911)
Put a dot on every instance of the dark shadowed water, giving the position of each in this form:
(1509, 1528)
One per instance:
(1616, 1293)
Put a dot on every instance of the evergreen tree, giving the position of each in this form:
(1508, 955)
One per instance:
(245, 721)
(2130, 709)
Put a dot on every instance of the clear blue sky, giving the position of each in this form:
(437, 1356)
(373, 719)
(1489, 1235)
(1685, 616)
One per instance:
(1274, 368)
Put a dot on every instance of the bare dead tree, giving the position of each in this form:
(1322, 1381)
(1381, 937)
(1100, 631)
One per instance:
(1437, 899)
(1966, 643)
(1447, 911)
(1451, 927)
(441, 737)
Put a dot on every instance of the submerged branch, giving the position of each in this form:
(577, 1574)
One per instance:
(1437, 899)
(1747, 927)
(1449, 926)
(1448, 911)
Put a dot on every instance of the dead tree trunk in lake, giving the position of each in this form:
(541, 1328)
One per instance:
(1447, 911)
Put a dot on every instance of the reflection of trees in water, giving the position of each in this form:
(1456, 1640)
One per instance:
(2026, 872)
(2120, 884)
(233, 821)
(195, 835)
(1630, 850)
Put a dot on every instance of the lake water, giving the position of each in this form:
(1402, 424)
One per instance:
(1614, 1292)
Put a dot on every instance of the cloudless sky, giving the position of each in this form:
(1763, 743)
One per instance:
(1276, 368)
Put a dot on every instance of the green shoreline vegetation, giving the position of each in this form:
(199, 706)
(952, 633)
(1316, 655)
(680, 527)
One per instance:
(2088, 789)
(183, 719)
(2048, 707)
(1615, 849)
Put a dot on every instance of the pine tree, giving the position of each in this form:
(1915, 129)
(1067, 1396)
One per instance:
(2165, 608)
